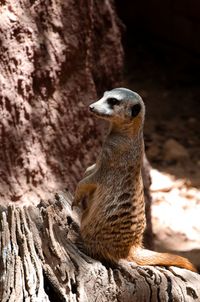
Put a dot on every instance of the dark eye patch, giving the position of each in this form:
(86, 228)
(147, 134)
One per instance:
(135, 110)
(113, 101)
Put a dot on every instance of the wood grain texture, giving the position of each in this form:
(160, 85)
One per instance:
(43, 259)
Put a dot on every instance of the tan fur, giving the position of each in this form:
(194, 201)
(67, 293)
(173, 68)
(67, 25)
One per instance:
(113, 219)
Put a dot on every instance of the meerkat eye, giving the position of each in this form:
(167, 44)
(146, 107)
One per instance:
(135, 110)
(113, 101)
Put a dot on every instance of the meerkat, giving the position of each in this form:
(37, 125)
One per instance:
(113, 218)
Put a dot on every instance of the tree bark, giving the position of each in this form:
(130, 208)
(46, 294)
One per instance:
(43, 259)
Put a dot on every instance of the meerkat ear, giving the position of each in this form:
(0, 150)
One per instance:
(135, 110)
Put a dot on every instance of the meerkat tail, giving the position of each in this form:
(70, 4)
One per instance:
(147, 257)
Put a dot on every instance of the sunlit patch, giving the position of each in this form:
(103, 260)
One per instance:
(175, 213)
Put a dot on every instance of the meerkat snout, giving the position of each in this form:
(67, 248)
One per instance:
(91, 108)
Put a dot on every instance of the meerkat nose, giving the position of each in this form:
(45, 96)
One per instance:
(91, 108)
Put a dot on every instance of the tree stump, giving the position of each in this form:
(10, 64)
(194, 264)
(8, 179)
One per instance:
(42, 259)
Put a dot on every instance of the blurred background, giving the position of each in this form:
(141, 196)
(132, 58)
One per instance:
(162, 62)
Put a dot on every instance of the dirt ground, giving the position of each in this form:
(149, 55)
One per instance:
(168, 80)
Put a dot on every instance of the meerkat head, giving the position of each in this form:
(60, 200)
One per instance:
(119, 105)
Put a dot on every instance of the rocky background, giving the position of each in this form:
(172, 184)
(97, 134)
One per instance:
(52, 64)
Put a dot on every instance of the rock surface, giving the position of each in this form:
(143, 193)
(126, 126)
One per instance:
(173, 150)
(54, 58)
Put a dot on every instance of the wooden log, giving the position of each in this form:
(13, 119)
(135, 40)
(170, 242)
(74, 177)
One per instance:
(42, 259)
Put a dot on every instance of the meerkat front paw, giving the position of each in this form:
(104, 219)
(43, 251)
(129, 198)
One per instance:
(80, 201)
(77, 198)
(82, 193)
